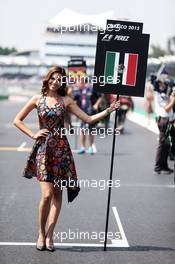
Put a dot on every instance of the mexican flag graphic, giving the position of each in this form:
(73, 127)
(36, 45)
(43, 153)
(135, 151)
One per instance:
(121, 67)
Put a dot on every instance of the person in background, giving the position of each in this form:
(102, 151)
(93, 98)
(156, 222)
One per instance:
(164, 104)
(126, 103)
(89, 102)
(105, 102)
(67, 117)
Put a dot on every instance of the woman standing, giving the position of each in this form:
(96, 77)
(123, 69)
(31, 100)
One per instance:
(51, 158)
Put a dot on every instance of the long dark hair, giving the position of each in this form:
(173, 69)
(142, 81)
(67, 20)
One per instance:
(62, 90)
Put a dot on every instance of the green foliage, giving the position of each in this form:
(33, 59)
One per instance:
(171, 45)
(157, 51)
(6, 50)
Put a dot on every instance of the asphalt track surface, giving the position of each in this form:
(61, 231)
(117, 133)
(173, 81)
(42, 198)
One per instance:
(141, 212)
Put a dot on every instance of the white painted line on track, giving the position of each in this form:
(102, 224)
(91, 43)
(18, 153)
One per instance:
(59, 244)
(142, 120)
(119, 242)
(145, 185)
(116, 243)
(21, 147)
(75, 150)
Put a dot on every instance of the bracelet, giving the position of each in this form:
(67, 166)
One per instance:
(108, 111)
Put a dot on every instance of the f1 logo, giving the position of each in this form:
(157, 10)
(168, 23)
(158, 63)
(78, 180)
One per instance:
(107, 37)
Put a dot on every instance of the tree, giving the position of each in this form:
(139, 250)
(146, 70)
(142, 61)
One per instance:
(171, 45)
(157, 51)
(6, 50)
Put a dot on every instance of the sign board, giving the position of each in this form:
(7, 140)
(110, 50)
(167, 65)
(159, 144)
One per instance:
(124, 26)
(121, 59)
(76, 68)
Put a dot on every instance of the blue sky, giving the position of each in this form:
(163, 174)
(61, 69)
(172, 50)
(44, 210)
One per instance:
(22, 22)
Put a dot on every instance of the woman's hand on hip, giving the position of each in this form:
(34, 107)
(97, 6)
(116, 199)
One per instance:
(41, 133)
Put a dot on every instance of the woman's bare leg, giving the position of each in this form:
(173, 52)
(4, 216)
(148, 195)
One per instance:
(54, 212)
(91, 139)
(47, 190)
(82, 139)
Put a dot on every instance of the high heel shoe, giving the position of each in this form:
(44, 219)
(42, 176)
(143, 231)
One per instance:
(40, 246)
(51, 247)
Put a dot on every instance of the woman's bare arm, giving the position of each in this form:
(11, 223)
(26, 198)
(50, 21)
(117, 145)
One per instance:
(97, 104)
(29, 106)
(170, 105)
(74, 108)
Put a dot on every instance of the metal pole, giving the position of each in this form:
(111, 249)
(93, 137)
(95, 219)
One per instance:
(111, 172)
(174, 171)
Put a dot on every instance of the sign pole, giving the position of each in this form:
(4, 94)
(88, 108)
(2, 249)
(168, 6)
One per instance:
(174, 172)
(111, 172)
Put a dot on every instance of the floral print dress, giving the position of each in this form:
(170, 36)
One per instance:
(51, 158)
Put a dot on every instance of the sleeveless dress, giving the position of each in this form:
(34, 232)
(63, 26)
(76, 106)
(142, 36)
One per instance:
(51, 158)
